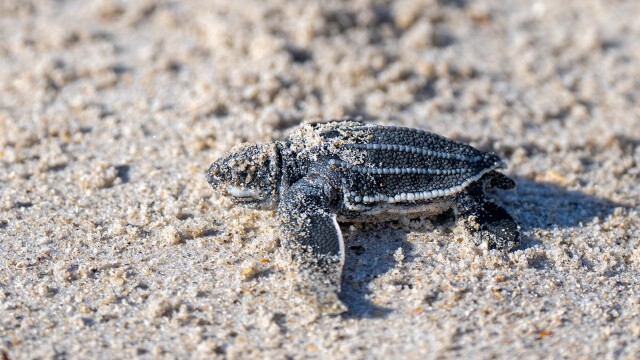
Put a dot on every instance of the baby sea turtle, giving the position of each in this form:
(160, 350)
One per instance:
(351, 171)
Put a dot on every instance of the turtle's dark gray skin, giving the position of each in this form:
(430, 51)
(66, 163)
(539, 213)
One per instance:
(350, 171)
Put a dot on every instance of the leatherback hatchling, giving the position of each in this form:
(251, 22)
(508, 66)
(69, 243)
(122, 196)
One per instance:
(350, 171)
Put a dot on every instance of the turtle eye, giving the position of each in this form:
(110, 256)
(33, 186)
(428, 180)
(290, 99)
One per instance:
(242, 176)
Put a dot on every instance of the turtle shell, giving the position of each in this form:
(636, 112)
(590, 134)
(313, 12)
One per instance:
(395, 165)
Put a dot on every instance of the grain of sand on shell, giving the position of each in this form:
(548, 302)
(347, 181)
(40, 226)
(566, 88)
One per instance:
(113, 245)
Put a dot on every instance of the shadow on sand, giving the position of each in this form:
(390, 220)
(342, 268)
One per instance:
(538, 205)
(364, 263)
(534, 205)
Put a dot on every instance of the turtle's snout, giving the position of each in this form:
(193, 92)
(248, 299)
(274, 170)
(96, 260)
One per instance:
(213, 175)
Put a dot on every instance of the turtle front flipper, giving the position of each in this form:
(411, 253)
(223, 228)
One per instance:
(488, 219)
(311, 235)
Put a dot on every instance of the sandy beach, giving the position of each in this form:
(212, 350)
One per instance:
(113, 245)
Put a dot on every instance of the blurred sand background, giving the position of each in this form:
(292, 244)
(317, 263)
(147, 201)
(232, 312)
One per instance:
(112, 245)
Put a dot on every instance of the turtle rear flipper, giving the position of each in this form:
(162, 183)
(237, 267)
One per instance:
(311, 235)
(497, 180)
(490, 220)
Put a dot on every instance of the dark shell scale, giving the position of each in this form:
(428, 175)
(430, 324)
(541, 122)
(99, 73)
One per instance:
(395, 165)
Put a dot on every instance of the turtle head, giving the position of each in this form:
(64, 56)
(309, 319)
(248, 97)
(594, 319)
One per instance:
(249, 174)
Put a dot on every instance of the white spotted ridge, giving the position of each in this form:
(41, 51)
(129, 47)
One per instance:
(413, 150)
(397, 171)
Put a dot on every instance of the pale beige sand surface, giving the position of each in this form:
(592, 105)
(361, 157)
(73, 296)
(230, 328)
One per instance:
(112, 245)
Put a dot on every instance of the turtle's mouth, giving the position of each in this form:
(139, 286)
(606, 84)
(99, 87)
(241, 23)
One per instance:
(245, 194)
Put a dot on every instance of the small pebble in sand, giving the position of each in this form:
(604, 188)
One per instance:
(171, 236)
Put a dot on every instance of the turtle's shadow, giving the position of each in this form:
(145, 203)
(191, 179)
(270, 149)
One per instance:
(539, 205)
(369, 254)
(534, 205)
